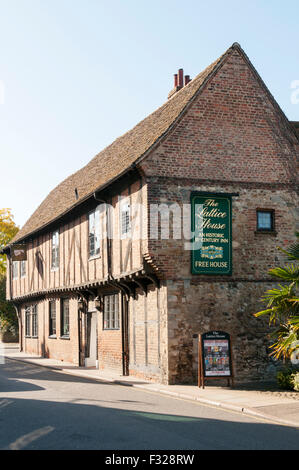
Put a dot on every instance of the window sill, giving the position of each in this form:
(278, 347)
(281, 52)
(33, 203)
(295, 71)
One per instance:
(94, 257)
(52, 337)
(265, 232)
(64, 337)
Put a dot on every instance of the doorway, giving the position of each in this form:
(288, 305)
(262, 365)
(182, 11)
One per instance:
(91, 340)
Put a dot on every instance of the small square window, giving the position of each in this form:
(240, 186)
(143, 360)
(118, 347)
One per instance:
(265, 220)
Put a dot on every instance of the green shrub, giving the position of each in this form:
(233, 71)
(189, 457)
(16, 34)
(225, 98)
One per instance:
(295, 381)
(8, 316)
(284, 379)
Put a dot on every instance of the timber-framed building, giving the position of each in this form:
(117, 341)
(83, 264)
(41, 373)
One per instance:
(91, 293)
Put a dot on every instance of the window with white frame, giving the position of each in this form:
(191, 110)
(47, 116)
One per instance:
(27, 321)
(55, 250)
(23, 268)
(31, 321)
(111, 312)
(94, 235)
(15, 269)
(34, 320)
(52, 318)
(125, 219)
(65, 318)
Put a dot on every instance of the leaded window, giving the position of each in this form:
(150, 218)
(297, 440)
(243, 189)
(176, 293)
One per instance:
(52, 318)
(15, 269)
(125, 219)
(65, 318)
(265, 220)
(27, 321)
(94, 233)
(31, 321)
(111, 312)
(55, 250)
(34, 320)
(23, 268)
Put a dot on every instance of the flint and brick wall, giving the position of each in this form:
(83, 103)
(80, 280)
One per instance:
(231, 140)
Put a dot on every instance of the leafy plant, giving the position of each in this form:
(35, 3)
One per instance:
(283, 305)
(8, 317)
(8, 229)
(295, 381)
(284, 379)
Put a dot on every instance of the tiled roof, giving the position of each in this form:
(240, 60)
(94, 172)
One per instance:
(295, 125)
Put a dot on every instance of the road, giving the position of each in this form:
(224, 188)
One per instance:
(46, 409)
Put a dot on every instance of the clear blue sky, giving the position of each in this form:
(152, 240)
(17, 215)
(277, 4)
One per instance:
(79, 73)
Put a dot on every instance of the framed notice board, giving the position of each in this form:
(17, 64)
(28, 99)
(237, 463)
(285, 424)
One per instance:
(214, 357)
(211, 225)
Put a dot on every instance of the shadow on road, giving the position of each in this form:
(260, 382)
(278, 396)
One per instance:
(111, 420)
(21, 370)
(43, 424)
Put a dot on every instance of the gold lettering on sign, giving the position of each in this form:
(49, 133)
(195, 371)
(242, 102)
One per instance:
(209, 212)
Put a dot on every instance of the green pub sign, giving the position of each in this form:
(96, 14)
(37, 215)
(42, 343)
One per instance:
(211, 224)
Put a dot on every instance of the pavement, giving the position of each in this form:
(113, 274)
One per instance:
(274, 407)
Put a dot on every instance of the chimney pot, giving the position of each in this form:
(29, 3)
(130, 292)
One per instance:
(179, 82)
(181, 78)
(187, 79)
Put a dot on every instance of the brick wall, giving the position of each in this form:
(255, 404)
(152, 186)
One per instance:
(232, 139)
(57, 348)
(110, 345)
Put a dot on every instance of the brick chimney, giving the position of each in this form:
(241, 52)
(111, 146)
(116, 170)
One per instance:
(179, 82)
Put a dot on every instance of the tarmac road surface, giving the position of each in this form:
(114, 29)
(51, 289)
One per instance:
(46, 409)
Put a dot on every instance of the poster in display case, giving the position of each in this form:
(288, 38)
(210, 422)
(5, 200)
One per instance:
(215, 359)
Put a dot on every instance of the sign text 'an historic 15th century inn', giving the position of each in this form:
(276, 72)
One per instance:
(212, 243)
